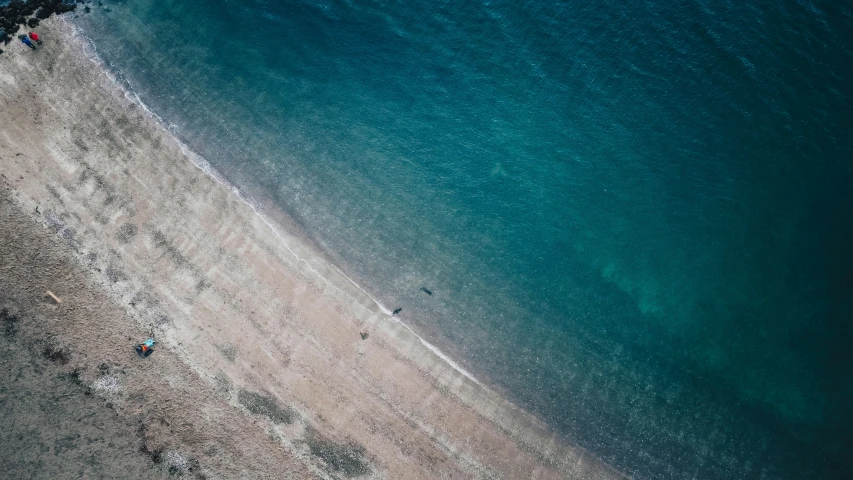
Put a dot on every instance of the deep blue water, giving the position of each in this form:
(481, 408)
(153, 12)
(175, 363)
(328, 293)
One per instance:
(636, 218)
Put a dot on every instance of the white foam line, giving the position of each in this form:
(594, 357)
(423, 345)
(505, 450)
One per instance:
(202, 164)
(440, 354)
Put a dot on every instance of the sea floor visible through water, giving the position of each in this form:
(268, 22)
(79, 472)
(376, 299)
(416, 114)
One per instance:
(631, 221)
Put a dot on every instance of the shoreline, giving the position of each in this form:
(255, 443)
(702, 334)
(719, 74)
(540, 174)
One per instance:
(205, 166)
(100, 197)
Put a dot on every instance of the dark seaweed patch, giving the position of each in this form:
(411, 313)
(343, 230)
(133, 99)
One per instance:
(223, 383)
(114, 275)
(74, 377)
(258, 404)
(162, 320)
(127, 232)
(161, 242)
(56, 354)
(345, 458)
(8, 323)
(228, 351)
(155, 455)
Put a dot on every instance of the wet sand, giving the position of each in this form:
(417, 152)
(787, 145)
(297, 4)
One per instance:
(261, 370)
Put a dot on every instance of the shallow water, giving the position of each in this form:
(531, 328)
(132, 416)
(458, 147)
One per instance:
(634, 218)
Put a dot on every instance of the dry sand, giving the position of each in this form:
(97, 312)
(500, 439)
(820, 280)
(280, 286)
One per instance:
(260, 371)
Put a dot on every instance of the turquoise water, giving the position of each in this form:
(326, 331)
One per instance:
(635, 217)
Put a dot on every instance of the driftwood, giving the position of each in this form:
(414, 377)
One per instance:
(58, 300)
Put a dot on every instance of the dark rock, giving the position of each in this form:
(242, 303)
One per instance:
(397, 310)
(16, 13)
(364, 335)
(426, 290)
(86, 9)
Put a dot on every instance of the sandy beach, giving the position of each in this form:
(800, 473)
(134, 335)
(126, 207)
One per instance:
(269, 363)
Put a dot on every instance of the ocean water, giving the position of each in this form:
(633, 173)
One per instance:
(635, 218)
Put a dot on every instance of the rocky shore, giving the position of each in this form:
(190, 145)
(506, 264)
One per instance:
(29, 14)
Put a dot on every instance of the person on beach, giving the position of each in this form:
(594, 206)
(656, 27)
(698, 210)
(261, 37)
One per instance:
(27, 42)
(35, 36)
